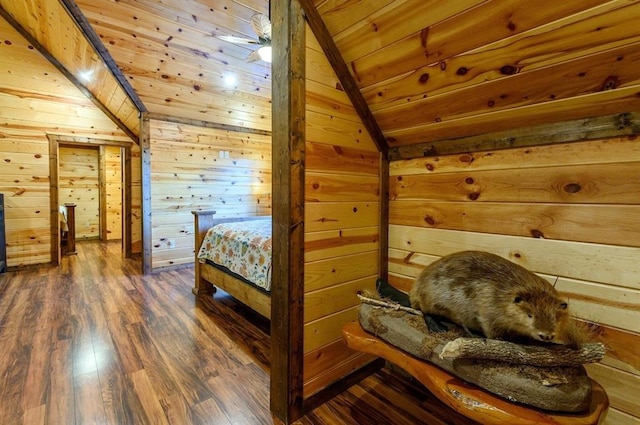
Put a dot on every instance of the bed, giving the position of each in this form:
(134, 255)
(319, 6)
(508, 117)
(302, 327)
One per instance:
(209, 275)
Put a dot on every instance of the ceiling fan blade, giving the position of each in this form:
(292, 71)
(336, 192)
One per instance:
(237, 40)
(261, 25)
(253, 57)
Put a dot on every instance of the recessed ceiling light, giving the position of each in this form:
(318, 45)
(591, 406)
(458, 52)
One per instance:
(85, 76)
(230, 80)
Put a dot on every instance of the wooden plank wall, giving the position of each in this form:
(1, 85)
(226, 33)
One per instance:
(24, 180)
(136, 200)
(568, 212)
(341, 222)
(187, 173)
(111, 157)
(79, 183)
(35, 99)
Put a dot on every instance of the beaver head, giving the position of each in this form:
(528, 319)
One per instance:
(538, 315)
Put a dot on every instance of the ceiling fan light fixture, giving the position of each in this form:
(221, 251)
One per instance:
(265, 53)
(262, 27)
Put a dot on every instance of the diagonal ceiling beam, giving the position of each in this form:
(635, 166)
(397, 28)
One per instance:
(94, 40)
(342, 71)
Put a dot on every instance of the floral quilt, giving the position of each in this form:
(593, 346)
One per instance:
(242, 247)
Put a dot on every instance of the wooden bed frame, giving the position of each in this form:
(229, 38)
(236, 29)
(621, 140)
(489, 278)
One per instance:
(208, 277)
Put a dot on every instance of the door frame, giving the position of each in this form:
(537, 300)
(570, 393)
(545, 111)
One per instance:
(54, 162)
(102, 173)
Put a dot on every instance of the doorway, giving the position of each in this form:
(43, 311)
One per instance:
(79, 184)
(95, 175)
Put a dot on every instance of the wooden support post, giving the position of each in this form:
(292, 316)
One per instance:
(3, 240)
(145, 158)
(287, 290)
(71, 233)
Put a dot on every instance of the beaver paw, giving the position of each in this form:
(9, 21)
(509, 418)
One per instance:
(435, 324)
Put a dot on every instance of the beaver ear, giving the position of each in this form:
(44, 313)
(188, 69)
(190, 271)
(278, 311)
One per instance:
(563, 306)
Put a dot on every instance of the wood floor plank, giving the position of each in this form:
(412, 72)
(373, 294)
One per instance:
(225, 393)
(208, 411)
(100, 335)
(35, 387)
(95, 341)
(180, 358)
(176, 410)
(88, 395)
(121, 405)
(148, 397)
(11, 379)
(163, 383)
(127, 354)
(35, 416)
(61, 400)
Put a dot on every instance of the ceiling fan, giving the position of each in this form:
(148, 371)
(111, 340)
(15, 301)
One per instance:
(262, 27)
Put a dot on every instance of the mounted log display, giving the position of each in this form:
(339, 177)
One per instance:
(561, 385)
(492, 349)
(467, 399)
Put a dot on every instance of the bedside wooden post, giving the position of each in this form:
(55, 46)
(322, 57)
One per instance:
(71, 234)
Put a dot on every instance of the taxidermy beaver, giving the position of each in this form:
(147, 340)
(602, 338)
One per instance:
(484, 292)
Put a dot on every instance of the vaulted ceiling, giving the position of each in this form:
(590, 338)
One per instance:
(427, 69)
(166, 51)
(169, 54)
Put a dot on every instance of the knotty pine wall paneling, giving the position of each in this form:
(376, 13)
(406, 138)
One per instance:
(24, 181)
(35, 99)
(568, 212)
(111, 191)
(341, 222)
(79, 183)
(134, 168)
(433, 70)
(189, 173)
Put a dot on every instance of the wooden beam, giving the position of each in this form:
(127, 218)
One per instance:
(207, 124)
(383, 239)
(94, 40)
(288, 147)
(145, 158)
(102, 191)
(84, 141)
(342, 72)
(619, 125)
(54, 212)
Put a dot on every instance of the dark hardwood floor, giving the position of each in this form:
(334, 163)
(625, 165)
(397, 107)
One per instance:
(95, 342)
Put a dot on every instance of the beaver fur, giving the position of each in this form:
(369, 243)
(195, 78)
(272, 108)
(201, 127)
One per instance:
(487, 293)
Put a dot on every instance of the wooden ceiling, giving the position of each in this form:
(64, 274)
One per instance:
(166, 51)
(169, 54)
(47, 25)
(427, 69)
(432, 70)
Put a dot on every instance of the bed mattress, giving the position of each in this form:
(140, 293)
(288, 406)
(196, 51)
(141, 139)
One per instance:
(242, 247)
